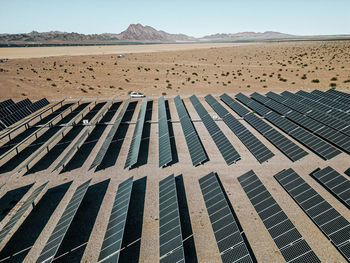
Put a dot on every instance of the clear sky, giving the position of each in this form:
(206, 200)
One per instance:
(192, 17)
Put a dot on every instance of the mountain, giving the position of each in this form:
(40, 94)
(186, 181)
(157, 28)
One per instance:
(135, 32)
(140, 32)
(248, 36)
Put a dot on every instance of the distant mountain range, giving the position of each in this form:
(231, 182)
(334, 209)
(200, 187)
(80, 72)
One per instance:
(140, 33)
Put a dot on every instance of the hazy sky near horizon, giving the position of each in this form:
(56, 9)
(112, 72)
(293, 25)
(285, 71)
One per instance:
(192, 17)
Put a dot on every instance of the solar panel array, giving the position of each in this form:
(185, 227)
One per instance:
(113, 238)
(228, 236)
(287, 238)
(134, 149)
(53, 243)
(285, 145)
(335, 183)
(302, 116)
(12, 113)
(165, 155)
(76, 145)
(224, 145)
(102, 152)
(194, 145)
(314, 143)
(20, 212)
(330, 222)
(170, 236)
(253, 144)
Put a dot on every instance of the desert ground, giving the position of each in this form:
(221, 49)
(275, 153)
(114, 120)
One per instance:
(244, 68)
(58, 72)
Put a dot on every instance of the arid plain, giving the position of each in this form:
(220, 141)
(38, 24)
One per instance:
(174, 69)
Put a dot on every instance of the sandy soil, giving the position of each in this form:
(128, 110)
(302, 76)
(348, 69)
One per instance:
(232, 68)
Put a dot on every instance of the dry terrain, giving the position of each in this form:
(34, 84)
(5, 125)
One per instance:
(57, 72)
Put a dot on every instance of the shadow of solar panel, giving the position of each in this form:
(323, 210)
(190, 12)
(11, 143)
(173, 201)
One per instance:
(113, 238)
(224, 145)
(170, 235)
(335, 183)
(194, 145)
(230, 242)
(20, 212)
(134, 148)
(52, 245)
(101, 153)
(255, 146)
(283, 232)
(165, 155)
(335, 227)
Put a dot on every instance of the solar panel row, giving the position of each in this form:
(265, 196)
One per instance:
(11, 114)
(314, 101)
(170, 235)
(194, 145)
(134, 148)
(314, 114)
(331, 223)
(342, 141)
(332, 100)
(319, 112)
(228, 236)
(165, 155)
(113, 238)
(320, 147)
(253, 144)
(335, 183)
(102, 152)
(224, 145)
(20, 212)
(76, 145)
(53, 243)
(285, 145)
(287, 238)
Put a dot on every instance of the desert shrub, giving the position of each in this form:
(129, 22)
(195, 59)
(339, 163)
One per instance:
(315, 81)
(53, 85)
(48, 79)
(334, 79)
(332, 85)
(83, 90)
(163, 93)
(304, 77)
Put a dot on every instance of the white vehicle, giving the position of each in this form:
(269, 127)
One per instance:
(137, 94)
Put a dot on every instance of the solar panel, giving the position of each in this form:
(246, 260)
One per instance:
(338, 93)
(335, 227)
(224, 145)
(314, 143)
(335, 183)
(165, 155)
(194, 145)
(228, 236)
(101, 153)
(113, 238)
(134, 149)
(76, 145)
(20, 212)
(170, 236)
(253, 144)
(313, 112)
(49, 251)
(283, 232)
(332, 100)
(342, 141)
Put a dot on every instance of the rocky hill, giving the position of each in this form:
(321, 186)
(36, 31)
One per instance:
(135, 32)
(248, 36)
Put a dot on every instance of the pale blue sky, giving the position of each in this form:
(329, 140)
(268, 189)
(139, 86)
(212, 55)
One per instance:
(191, 17)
